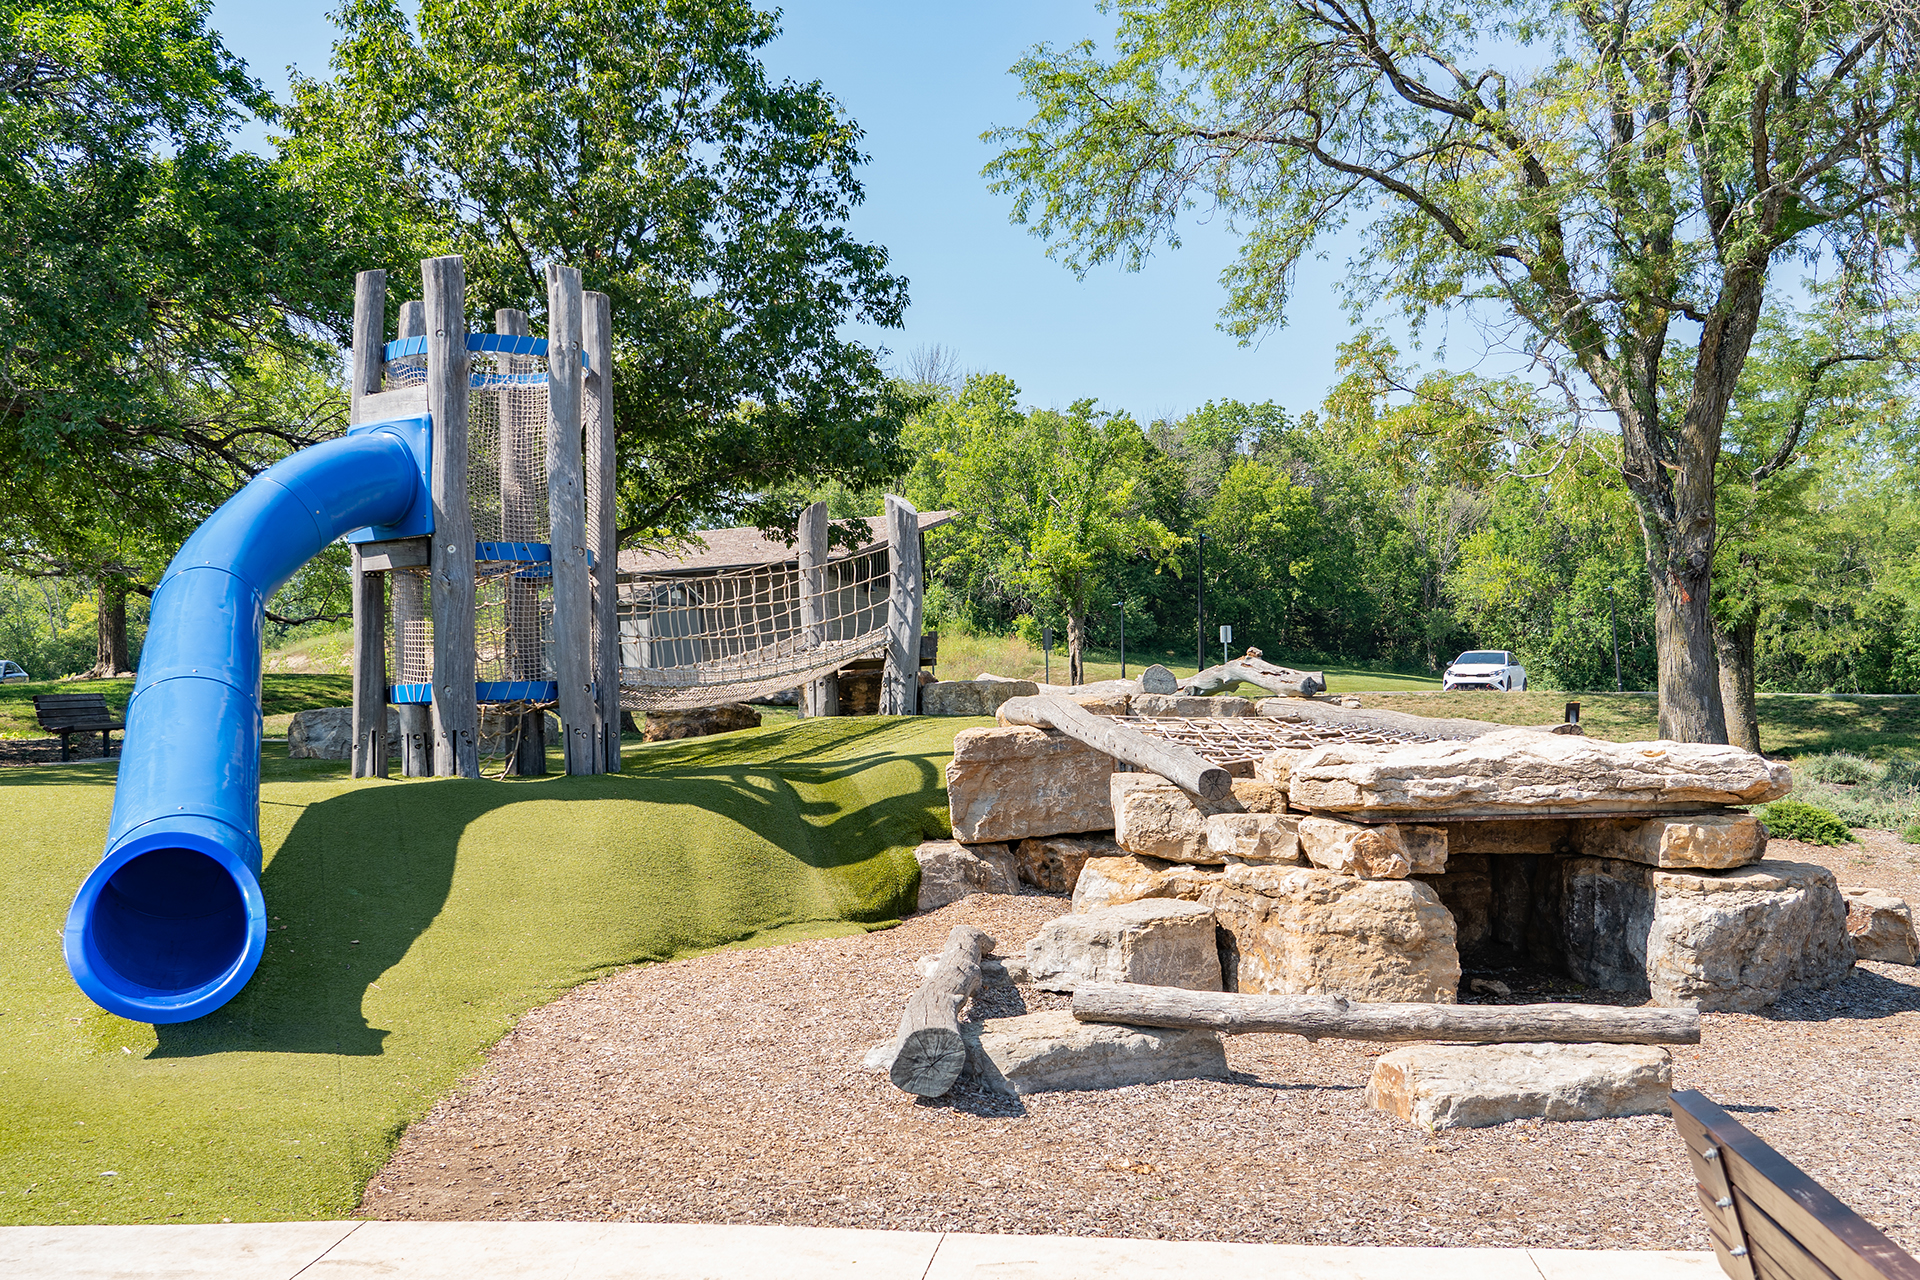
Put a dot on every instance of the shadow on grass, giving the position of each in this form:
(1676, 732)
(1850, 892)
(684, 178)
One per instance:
(363, 874)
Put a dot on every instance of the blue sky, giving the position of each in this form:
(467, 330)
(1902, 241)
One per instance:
(924, 82)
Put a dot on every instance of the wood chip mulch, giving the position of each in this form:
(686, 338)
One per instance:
(86, 746)
(727, 1088)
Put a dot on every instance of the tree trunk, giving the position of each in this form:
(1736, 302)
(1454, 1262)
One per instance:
(1690, 709)
(110, 647)
(1076, 646)
(1735, 644)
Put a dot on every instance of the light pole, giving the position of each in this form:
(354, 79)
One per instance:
(1046, 645)
(1123, 639)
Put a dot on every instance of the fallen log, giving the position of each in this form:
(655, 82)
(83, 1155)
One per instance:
(1334, 1017)
(1251, 668)
(1369, 720)
(930, 1053)
(1175, 763)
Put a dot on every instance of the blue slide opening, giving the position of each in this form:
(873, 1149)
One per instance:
(171, 924)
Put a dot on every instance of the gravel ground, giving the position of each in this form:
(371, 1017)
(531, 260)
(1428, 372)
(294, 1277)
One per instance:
(86, 746)
(726, 1088)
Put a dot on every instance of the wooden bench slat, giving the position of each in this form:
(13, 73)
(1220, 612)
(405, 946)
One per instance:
(1774, 1248)
(1846, 1245)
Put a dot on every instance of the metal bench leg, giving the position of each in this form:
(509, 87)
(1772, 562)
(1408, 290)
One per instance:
(66, 746)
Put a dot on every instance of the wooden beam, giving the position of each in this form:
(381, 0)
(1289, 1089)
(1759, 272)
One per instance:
(1334, 1017)
(929, 1052)
(602, 523)
(900, 684)
(820, 697)
(396, 553)
(1251, 668)
(366, 583)
(1177, 764)
(456, 715)
(567, 520)
(1368, 720)
(384, 406)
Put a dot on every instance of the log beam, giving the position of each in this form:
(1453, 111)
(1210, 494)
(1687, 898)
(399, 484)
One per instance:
(930, 1052)
(1333, 1017)
(1175, 763)
(1251, 668)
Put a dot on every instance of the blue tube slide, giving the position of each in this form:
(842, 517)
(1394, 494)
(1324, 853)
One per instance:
(172, 922)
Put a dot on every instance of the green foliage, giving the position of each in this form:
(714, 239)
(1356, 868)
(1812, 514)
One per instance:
(645, 144)
(49, 625)
(1050, 504)
(1797, 820)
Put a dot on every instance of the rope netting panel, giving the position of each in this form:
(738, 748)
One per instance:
(694, 641)
(409, 627)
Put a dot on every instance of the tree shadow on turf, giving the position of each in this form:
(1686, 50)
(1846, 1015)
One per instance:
(362, 875)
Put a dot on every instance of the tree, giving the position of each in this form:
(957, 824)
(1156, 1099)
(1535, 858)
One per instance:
(643, 142)
(1600, 174)
(148, 275)
(1051, 504)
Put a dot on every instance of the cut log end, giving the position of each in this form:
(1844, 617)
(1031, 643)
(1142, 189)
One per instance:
(929, 1062)
(1215, 784)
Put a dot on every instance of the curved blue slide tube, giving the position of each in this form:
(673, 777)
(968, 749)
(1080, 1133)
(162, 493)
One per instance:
(172, 922)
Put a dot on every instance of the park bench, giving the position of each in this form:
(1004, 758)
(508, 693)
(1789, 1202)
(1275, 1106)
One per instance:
(69, 713)
(1769, 1220)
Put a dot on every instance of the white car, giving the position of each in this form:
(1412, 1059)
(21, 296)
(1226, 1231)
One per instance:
(1485, 669)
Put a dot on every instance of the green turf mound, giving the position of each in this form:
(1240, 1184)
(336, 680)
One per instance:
(414, 922)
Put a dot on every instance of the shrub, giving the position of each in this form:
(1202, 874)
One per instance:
(1911, 833)
(1839, 767)
(1795, 820)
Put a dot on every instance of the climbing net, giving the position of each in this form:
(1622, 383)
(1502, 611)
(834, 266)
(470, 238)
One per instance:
(693, 641)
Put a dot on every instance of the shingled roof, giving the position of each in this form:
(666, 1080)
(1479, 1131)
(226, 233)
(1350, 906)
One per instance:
(719, 550)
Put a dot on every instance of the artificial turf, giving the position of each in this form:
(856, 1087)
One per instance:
(413, 922)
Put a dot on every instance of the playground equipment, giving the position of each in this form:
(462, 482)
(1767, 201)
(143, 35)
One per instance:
(451, 432)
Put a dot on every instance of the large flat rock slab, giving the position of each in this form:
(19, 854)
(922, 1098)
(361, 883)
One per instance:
(1020, 783)
(1306, 931)
(1472, 1086)
(1161, 942)
(971, 697)
(1051, 1051)
(1522, 770)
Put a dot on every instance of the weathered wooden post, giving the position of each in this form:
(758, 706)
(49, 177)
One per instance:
(566, 506)
(410, 619)
(820, 697)
(519, 522)
(602, 524)
(900, 687)
(369, 595)
(456, 713)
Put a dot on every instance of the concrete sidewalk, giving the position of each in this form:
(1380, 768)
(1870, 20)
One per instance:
(649, 1251)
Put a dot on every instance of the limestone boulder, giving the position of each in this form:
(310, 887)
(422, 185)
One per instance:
(1045, 1052)
(326, 733)
(1155, 818)
(1052, 864)
(1276, 767)
(1709, 841)
(1386, 851)
(1881, 926)
(1160, 942)
(1020, 783)
(972, 697)
(699, 722)
(949, 871)
(1508, 836)
(1735, 940)
(1109, 882)
(1164, 706)
(1466, 890)
(1157, 679)
(1255, 837)
(1472, 1086)
(1517, 770)
(1306, 931)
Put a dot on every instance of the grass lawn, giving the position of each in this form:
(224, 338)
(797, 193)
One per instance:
(282, 696)
(1789, 726)
(414, 921)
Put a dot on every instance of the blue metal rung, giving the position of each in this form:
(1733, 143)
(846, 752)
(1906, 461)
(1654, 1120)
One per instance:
(510, 344)
(421, 694)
